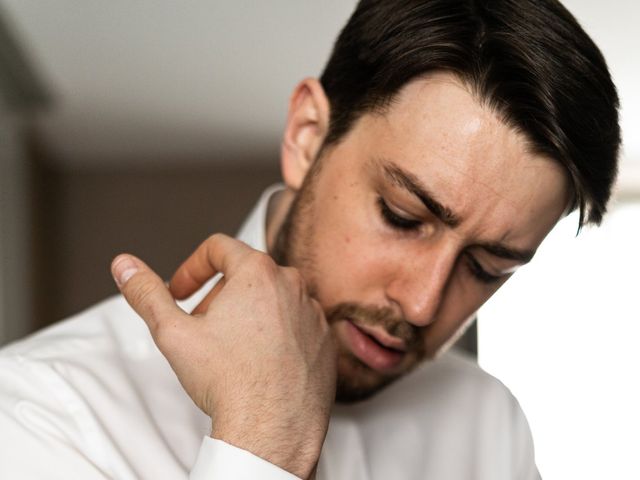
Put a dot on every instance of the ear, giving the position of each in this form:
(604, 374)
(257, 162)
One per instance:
(307, 125)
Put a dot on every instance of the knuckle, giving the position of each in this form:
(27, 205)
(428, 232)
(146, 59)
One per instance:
(264, 263)
(319, 312)
(316, 306)
(296, 282)
(168, 336)
(213, 241)
(293, 275)
(160, 335)
(215, 238)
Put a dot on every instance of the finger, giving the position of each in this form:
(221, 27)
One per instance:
(145, 292)
(218, 253)
(204, 304)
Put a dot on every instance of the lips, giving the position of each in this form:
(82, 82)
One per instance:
(373, 347)
(383, 338)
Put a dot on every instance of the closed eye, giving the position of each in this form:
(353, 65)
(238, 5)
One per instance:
(394, 220)
(479, 272)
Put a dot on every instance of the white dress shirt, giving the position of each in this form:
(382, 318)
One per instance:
(92, 398)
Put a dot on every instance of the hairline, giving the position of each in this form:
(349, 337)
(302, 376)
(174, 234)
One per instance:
(474, 88)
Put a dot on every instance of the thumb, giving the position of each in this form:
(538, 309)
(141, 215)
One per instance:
(145, 291)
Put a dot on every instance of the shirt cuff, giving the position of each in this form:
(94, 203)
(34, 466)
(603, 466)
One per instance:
(219, 460)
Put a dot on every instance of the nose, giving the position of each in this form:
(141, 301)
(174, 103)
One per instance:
(419, 282)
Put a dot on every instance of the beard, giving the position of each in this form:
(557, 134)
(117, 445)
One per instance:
(357, 381)
(294, 247)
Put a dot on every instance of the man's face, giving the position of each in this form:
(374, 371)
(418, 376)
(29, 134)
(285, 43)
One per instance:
(412, 222)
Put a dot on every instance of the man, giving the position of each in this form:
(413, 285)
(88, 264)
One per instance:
(441, 144)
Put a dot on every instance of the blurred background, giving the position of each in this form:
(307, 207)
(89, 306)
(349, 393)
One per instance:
(141, 127)
(145, 126)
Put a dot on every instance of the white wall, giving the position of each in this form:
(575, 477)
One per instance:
(563, 336)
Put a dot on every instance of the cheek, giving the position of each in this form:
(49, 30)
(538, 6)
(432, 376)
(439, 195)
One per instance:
(352, 268)
(351, 260)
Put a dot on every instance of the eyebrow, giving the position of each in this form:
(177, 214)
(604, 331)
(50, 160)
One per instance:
(410, 182)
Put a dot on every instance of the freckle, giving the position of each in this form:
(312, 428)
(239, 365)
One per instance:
(347, 239)
(249, 286)
(335, 197)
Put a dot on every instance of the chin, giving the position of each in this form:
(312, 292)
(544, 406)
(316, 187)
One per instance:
(357, 382)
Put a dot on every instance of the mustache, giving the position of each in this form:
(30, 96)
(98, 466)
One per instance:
(383, 317)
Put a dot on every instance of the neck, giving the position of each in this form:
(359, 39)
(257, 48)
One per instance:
(279, 205)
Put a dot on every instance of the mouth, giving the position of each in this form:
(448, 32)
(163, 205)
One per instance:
(375, 348)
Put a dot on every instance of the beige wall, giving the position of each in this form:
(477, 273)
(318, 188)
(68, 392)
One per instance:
(15, 304)
(86, 217)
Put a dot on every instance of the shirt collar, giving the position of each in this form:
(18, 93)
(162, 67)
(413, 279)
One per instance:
(254, 229)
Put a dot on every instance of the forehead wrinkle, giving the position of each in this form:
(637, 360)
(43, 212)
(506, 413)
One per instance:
(495, 248)
(477, 137)
(482, 166)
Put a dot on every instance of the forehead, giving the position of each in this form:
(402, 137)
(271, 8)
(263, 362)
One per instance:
(463, 152)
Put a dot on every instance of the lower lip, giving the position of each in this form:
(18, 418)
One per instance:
(370, 352)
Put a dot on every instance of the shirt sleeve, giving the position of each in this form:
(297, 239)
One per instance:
(220, 460)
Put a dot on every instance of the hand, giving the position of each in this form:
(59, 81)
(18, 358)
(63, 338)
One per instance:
(257, 355)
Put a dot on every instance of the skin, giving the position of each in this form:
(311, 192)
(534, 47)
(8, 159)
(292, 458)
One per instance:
(283, 330)
(438, 133)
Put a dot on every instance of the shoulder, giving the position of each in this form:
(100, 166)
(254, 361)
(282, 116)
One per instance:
(457, 372)
(106, 327)
(445, 409)
(56, 384)
(452, 392)
(453, 379)
(55, 366)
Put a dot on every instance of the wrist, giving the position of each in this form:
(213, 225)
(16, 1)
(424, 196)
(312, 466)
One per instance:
(293, 451)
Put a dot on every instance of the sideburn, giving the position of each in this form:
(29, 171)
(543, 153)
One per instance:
(288, 235)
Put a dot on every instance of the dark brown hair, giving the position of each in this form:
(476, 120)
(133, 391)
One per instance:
(529, 60)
